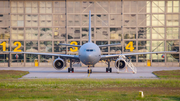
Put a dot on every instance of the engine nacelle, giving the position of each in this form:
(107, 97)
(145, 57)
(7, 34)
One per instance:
(58, 64)
(120, 63)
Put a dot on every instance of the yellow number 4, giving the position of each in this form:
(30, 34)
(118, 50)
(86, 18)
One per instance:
(130, 46)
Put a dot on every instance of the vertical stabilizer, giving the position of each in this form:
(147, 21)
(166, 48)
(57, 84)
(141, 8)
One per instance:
(89, 27)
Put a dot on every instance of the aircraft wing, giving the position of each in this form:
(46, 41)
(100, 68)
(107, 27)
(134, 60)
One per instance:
(51, 54)
(126, 54)
(109, 45)
(70, 45)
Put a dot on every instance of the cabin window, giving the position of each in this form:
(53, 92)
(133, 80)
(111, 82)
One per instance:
(89, 50)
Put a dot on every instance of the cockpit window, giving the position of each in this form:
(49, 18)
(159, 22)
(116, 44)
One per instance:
(89, 50)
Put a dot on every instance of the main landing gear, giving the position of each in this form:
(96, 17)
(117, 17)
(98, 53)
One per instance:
(89, 70)
(108, 69)
(70, 69)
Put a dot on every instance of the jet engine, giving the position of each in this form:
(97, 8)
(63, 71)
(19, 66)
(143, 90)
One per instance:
(120, 63)
(58, 64)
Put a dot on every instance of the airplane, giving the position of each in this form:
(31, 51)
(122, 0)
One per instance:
(89, 54)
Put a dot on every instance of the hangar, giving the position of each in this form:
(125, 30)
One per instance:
(40, 25)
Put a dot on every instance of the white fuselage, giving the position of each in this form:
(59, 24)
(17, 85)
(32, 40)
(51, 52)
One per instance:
(89, 53)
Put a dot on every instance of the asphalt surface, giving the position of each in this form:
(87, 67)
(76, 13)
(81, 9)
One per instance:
(97, 72)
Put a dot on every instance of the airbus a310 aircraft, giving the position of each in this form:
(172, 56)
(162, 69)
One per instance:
(90, 54)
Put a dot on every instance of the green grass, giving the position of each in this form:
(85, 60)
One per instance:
(12, 74)
(89, 89)
(171, 74)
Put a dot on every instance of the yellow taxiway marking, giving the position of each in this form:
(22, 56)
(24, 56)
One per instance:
(65, 68)
(88, 74)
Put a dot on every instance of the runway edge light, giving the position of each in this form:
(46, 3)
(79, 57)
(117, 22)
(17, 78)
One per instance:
(141, 94)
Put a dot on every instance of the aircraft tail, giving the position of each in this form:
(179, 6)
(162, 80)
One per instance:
(89, 27)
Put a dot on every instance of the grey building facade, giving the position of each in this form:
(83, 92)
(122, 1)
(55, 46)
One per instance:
(39, 26)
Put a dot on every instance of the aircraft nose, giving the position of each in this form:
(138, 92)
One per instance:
(89, 57)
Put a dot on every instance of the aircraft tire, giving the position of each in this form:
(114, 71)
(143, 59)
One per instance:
(72, 70)
(110, 70)
(89, 71)
(68, 70)
(106, 70)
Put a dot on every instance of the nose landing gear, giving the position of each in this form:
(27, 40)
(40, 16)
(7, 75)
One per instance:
(89, 70)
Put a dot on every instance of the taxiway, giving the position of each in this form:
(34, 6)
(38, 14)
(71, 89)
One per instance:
(81, 72)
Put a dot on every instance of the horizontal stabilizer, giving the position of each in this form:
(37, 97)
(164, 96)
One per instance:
(70, 45)
(109, 45)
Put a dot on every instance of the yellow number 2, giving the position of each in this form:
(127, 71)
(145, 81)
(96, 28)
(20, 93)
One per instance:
(130, 46)
(18, 46)
(74, 49)
(4, 46)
